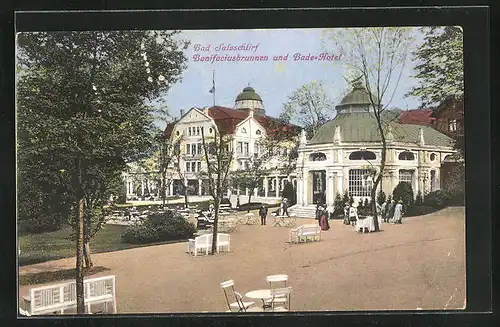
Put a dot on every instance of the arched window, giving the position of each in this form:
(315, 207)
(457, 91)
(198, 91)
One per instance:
(243, 130)
(318, 156)
(362, 155)
(406, 155)
(177, 133)
(210, 130)
(432, 156)
(258, 132)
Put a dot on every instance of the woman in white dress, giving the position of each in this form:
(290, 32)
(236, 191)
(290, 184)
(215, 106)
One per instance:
(398, 213)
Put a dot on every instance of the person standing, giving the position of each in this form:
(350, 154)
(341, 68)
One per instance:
(390, 211)
(398, 213)
(383, 207)
(285, 207)
(263, 214)
(346, 213)
(319, 211)
(353, 215)
(323, 222)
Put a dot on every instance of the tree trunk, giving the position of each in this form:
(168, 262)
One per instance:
(163, 188)
(379, 177)
(80, 300)
(249, 198)
(87, 257)
(216, 222)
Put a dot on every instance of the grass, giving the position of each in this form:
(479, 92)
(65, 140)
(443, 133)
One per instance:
(55, 276)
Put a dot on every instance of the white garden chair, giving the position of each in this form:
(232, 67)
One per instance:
(280, 293)
(223, 242)
(273, 280)
(238, 305)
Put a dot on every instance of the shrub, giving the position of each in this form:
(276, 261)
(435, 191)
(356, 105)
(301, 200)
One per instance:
(255, 206)
(345, 198)
(159, 227)
(404, 192)
(290, 193)
(437, 199)
(351, 200)
(419, 210)
(381, 197)
(338, 205)
(418, 199)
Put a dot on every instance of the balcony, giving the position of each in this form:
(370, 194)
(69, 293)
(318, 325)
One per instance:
(192, 156)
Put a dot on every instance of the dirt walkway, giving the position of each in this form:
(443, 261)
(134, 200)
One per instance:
(419, 264)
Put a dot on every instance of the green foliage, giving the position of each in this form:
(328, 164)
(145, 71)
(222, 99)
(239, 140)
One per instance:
(381, 197)
(418, 199)
(403, 192)
(366, 203)
(309, 106)
(338, 205)
(455, 185)
(419, 210)
(351, 200)
(437, 199)
(345, 198)
(440, 73)
(81, 110)
(159, 227)
(290, 193)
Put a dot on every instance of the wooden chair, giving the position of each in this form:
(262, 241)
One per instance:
(273, 280)
(277, 294)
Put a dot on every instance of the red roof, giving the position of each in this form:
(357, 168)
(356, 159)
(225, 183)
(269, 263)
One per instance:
(227, 119)
(417, 117)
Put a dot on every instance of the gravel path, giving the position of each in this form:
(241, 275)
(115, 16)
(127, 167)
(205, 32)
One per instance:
(419, 264)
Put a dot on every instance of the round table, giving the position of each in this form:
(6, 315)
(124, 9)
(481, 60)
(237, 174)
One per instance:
(259, 294)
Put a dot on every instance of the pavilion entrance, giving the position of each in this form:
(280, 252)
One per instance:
(317, 186)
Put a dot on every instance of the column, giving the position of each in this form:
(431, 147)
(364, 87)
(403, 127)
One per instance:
(340, 186)
(142, 186)
(438, 178)
(199, 186)
(246, 191)
(299, 188)
(255, 192)
(329, 187)
(305, 181)
(132, 191)
(266, 186)
(171, 188)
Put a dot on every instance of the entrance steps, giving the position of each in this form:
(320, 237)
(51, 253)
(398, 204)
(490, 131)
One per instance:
(308, 211)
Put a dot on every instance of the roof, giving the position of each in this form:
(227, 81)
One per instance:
(168, 130)
(358, 96)
(248, 93)
(362, 127)
(416, 117)
(455, 103)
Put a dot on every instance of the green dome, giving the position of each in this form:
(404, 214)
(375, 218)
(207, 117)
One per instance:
(358, 96)
(248, 93)
(362, 127)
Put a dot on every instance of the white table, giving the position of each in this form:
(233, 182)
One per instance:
(251, 220)
(263, 295)
(369, 223)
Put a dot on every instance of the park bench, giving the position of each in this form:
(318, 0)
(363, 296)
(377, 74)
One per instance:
(304, 233)
(203, 243)
(62, 297)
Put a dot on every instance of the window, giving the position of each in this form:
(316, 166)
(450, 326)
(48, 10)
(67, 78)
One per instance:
(193, 149)
(243, 130)
(188, 165)
(193, 166)
(188, 148)
(245, 149)
(189, 131)
(319, 156)
(239, 149)
(197, 131)
(360, 182)
(433, 156)
(177, 133)
(256, 148)
(406, 176)
(228, 147)
(199, 148)
(406, 155)
(452, 125)
(258, 132)
(199, 165)
(210, 130)
(362, 155)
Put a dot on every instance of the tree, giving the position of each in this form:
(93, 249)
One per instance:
(82, 112)
(173, 155)
(218, 157)
(440, 68)
(251, 177)
(309, 106)
(377, 55)
(404, 192)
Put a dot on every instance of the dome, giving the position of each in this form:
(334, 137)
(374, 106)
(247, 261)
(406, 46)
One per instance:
(248, 93)
(358, 95)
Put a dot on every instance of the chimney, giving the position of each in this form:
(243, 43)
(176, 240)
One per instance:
(182, 112)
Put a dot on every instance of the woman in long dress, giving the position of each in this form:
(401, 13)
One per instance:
(398, 213)
(324, 221)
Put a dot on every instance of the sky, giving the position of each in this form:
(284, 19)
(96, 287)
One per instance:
(273, 80)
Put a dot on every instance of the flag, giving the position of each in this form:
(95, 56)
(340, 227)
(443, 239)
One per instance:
(212, 90)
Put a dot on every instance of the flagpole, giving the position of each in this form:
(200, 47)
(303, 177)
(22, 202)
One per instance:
(213, 83)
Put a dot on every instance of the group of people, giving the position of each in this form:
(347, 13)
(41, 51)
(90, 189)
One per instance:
(282, 211)
(389, 211)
